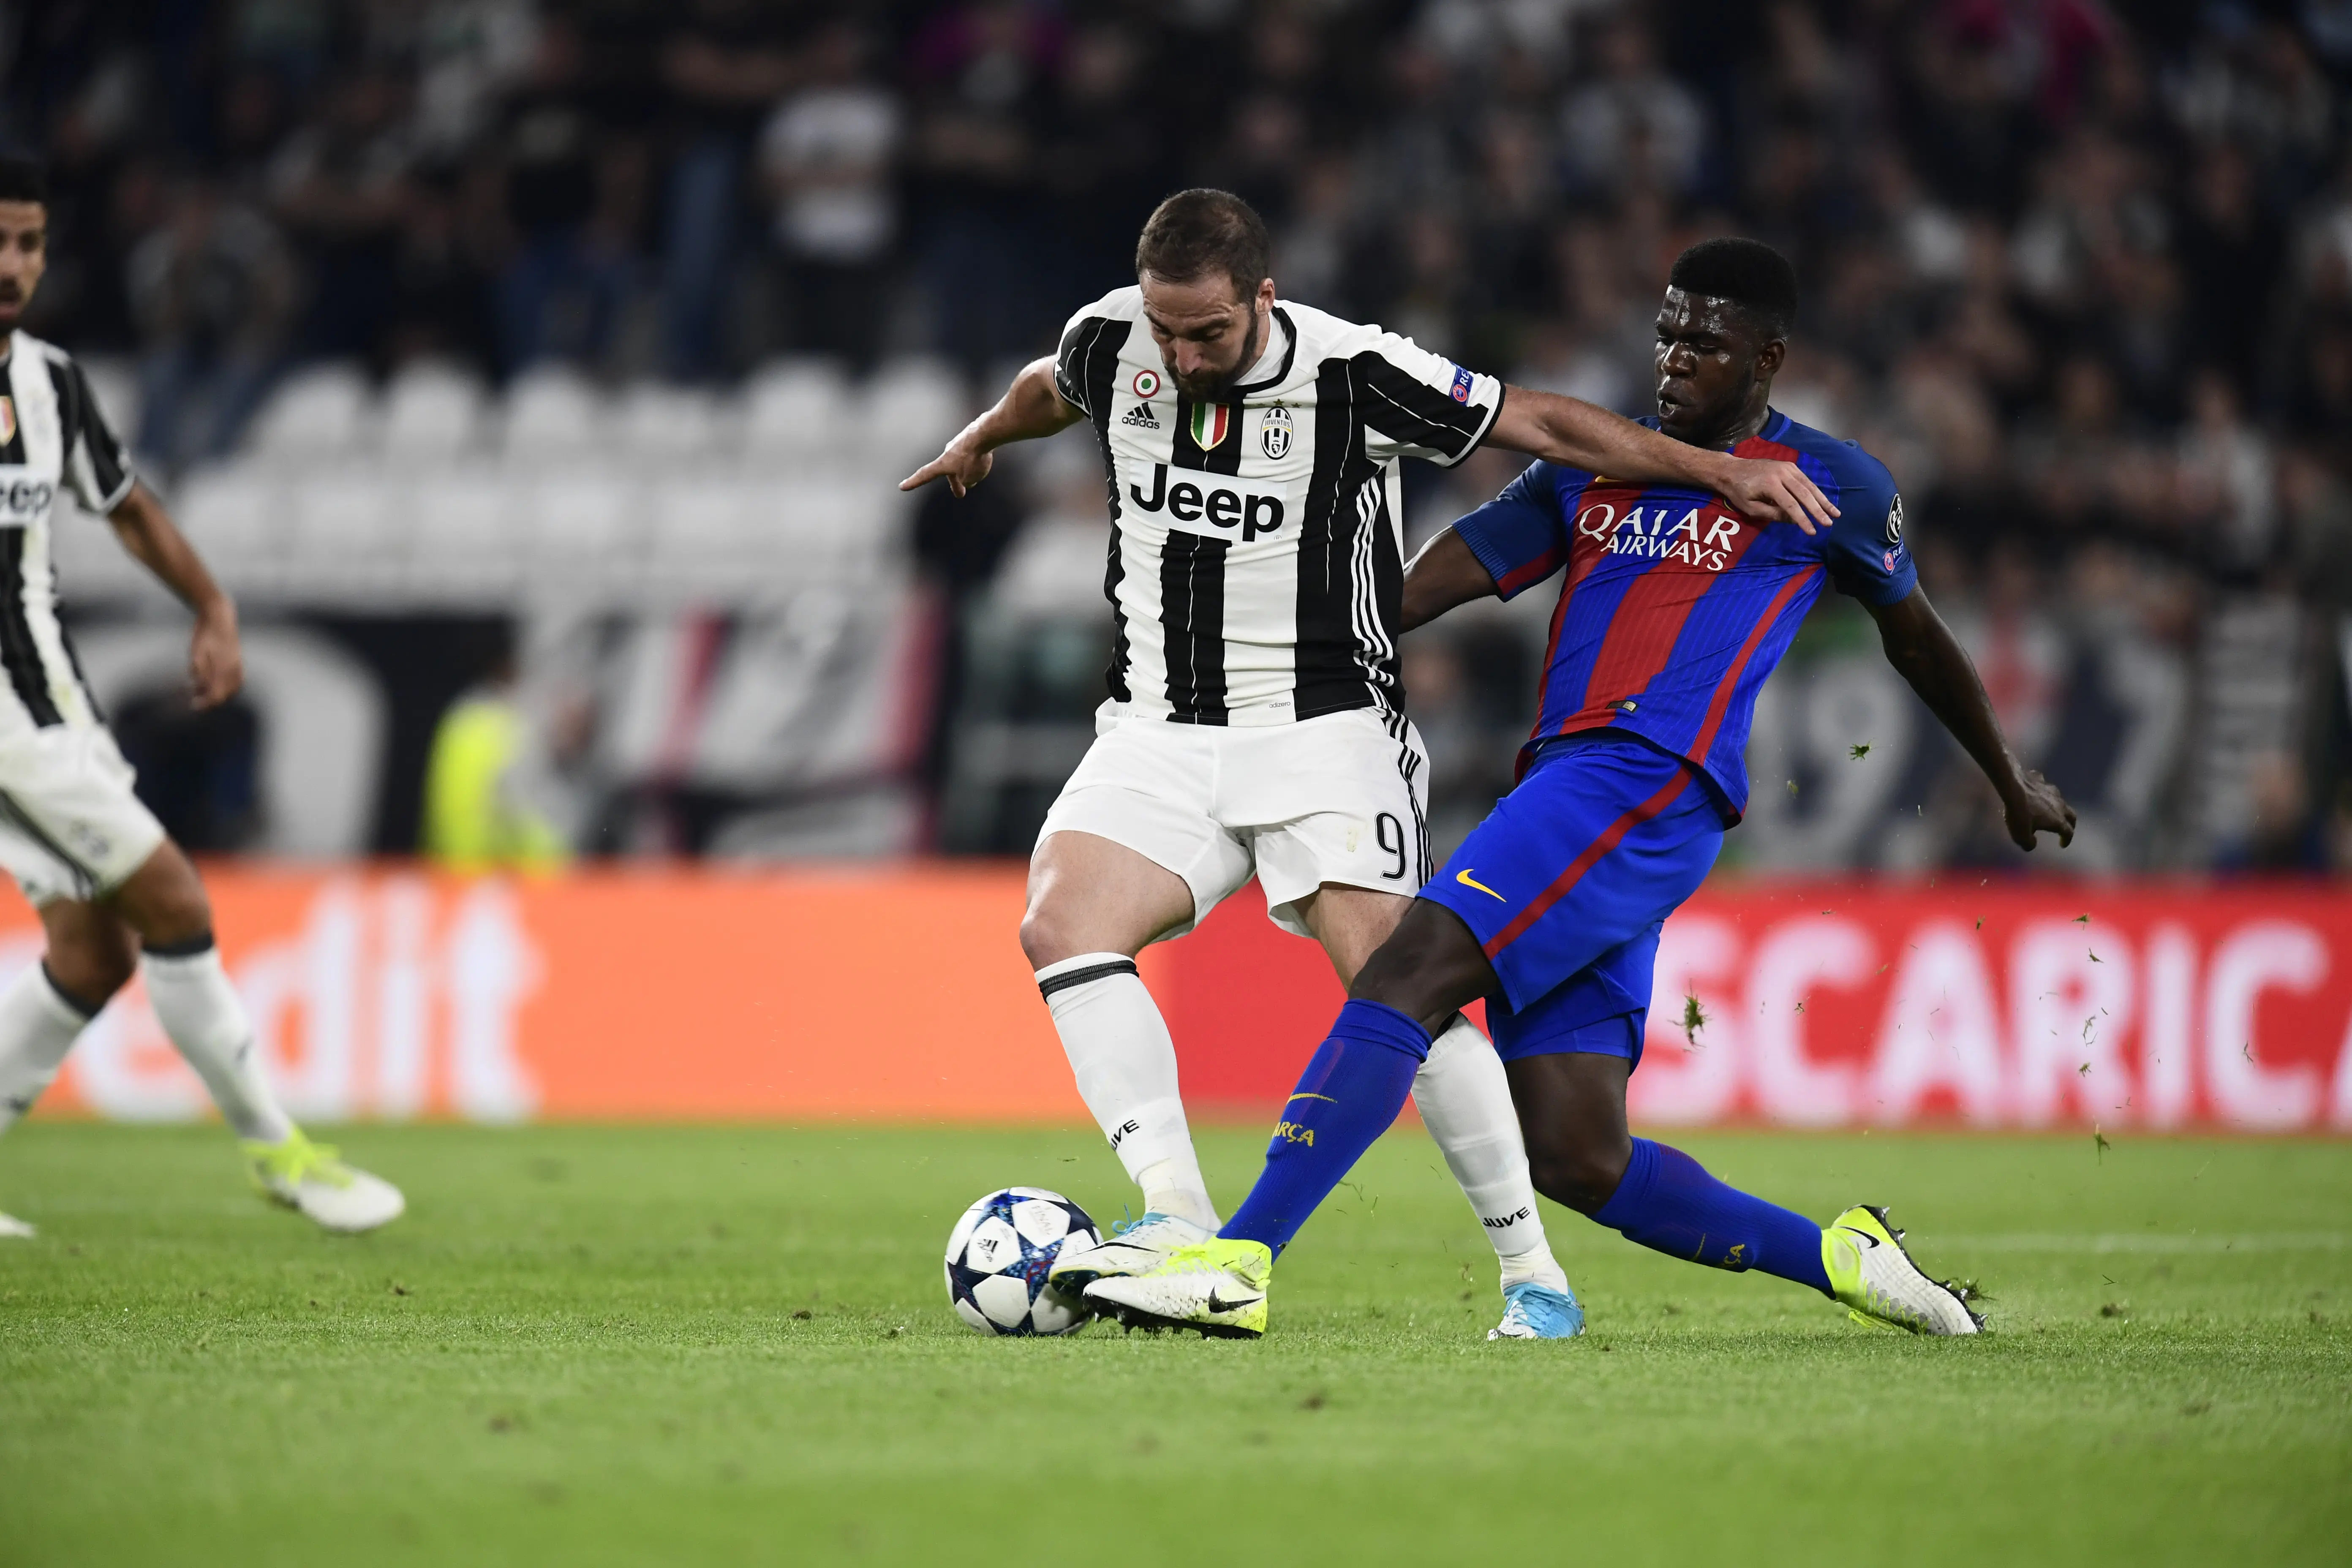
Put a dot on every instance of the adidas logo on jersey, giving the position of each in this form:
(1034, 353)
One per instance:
(1141, 418)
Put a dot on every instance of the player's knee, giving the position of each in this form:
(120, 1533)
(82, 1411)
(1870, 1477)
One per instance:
(1577, 1173)
(91, 965)
(164, 901)
(1427, 969)
(1046, 937)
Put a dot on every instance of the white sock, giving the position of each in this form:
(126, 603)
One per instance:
(1466, 1102)
(38, 1024)
(199, 1010)
(1125, 1062)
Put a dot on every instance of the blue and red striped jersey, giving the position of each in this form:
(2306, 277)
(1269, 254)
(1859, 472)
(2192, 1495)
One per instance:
(1676, 608)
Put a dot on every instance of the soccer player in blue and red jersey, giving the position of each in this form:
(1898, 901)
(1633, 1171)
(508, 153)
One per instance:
(1676, 609)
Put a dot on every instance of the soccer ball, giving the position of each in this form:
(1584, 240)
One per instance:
(998, 1255)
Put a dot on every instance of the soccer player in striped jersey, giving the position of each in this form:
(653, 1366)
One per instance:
(1678, 601)
(108, 884)
(1255, 723)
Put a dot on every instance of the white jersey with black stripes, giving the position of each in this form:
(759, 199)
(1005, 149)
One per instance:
(53, 439)
(1256, 568)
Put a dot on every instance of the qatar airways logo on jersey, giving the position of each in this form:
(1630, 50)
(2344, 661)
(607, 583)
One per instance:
(1220, 506)
(1700, 537)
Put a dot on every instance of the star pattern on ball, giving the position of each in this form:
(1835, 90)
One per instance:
(1005, 1211)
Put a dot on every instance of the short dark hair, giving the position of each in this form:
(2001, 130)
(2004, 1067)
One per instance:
(1197, 232)
(1747, 272)
(21, 180)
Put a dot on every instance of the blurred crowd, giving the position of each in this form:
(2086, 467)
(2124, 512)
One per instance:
(2080, 272)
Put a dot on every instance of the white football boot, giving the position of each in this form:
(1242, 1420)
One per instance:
(1217, 1288)
(1882, 1288)
(15, 1229)
(1133, 1247)
(311, 1178)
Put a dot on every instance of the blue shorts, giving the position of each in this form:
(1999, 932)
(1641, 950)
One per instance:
(1567, 883)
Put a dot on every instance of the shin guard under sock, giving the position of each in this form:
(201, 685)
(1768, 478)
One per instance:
(1667, 1201)
(201, 1013)
(1464, 1098)
(1125, 1064)
(38, 1024)
(1349, 1094)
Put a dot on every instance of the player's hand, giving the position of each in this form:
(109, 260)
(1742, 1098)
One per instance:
(215, 662)
(2037, 808)
(1783, 493)
(962, 466)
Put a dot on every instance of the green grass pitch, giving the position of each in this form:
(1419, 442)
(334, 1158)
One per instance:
(594, 1345)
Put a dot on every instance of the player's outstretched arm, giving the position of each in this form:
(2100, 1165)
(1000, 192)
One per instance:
(1031, 407)
(1445, 573)
(1581, 434)
(216, 664)
(1923, 650)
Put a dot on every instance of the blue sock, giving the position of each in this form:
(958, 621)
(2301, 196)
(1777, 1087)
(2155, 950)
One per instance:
(1347, 1097)
(1667, 1201)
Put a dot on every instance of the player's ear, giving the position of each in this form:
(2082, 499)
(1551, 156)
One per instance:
(1770, 357)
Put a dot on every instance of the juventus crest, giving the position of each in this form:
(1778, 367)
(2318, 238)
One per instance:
(1274, 433)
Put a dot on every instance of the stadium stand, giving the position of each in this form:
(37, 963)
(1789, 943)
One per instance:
(504, 317)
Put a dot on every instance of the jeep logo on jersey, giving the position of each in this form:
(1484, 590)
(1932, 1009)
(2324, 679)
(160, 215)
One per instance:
(25, 501)
(1696, 539)
(1212, 422)
(1273, 432)
(1146, 382)
(1217, 505)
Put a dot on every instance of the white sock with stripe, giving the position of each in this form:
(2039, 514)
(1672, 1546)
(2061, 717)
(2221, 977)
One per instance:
(38, 1024)
(1125, 1062)
(1464, 1098)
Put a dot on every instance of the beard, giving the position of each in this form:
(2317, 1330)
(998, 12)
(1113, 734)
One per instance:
(1208, 386)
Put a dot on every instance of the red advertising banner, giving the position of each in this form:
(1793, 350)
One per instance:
(901, 994)
(827, 994)
(1854, 1004)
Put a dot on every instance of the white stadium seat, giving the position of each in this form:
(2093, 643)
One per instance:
(666, 425)
(442, 494)
(318, 416)
(349, 527)
(702, 541)
(583, 527)
(234, 511)
(910, 408)
(793, 408)
(89, 561)
(468, 534)
(696, 521)
(553, 415)
(836, 524)
(115, 384)
(432, 412)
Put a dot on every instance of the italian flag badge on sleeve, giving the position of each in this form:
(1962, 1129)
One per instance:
(1211, 422)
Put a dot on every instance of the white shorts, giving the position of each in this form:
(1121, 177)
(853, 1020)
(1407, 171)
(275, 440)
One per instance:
(70, 825)
(1343, 798)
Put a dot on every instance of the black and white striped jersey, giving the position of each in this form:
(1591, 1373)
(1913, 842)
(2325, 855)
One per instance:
(52, 438)
(1256, 563)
